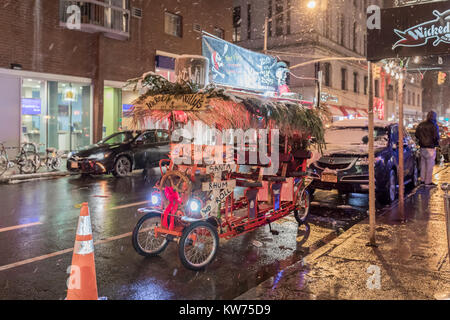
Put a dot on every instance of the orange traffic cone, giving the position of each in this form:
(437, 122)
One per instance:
(82, 283)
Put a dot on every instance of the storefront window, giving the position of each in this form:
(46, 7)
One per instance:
(34, 112)
(69, 111)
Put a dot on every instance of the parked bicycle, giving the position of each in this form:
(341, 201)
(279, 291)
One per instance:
(25, 159)
(52, 159)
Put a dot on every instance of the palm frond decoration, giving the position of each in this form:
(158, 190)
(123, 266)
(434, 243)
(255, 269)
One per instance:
(228, 110)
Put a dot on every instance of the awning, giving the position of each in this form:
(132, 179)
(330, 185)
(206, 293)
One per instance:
(336, 111)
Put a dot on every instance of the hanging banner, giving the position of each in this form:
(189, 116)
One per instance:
(233, 66)
(418, 30)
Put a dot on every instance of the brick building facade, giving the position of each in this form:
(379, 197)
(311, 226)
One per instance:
(118, 40)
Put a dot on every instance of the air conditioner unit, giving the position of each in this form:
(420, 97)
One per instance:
(197, 27)
(136, 12)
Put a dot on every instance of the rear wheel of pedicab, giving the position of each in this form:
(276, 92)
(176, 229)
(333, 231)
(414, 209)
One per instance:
(144, 240)
(198, 245)
(302, 209)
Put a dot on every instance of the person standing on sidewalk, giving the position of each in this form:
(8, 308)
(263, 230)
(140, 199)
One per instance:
(427, 133)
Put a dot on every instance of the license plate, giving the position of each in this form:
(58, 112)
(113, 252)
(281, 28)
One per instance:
(74, 165)
(329, 177)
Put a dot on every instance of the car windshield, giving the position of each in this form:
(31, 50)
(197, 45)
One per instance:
(354, 136)
(118, 138)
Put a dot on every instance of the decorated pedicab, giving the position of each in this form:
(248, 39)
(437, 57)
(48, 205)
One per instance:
(222, 189)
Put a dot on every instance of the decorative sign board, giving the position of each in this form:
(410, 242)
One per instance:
(186, 102)
(417, 30)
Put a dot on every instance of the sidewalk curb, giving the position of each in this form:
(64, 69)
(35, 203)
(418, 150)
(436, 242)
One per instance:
(33, 176)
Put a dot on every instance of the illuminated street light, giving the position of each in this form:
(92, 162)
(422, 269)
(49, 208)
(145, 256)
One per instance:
(311, 4)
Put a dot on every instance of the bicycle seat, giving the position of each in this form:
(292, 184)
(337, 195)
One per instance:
(248, 184)
(298, 174)
(274, 179)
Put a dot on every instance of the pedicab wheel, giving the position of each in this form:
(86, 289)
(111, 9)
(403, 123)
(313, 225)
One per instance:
(144, 241)
(198, 245)
(302, 209)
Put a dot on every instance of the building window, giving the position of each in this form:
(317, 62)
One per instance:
(418, 100)
(270, 16)
(249, 21)
(280, 18)
(327, 20)
(219, 32)
(377, 88)
(173, 24)
(344, 79)
(390, 92)
(341, 29)
(288, 18)
(237, 24)
(354, 37)
(366, 84)
(409, 96)
(413, 98)
(327, 75)
(355, 82)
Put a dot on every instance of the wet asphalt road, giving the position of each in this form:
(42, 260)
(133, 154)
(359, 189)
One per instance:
(37, 231)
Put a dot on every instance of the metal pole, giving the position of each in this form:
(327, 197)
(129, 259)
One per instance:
(372, 241)
(446, 188)
(401, 167)
(266, 30)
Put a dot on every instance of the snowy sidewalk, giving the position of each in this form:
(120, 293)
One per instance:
(410, 262)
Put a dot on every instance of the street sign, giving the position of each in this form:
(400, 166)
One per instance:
(417, 30)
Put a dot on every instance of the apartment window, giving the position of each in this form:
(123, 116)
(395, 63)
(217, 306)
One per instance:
(354, 37)
(377, 88)
(413, 98)
(355, 82)
(418, 99)
(173, 24)
(327, 74)
(344, 79)
(366, 84)
(269, 14)
(279, 21)
(237, 24)
(288, 18)
(341, 29)
(249, 21)
(390, 92)
(219, 32)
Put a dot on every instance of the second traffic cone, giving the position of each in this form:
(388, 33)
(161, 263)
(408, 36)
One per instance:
(82, 284)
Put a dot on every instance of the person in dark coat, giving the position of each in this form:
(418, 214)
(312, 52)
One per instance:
(427, 133)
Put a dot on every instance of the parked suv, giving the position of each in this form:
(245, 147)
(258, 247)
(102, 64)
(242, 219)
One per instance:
(122, 152)
(345, 164)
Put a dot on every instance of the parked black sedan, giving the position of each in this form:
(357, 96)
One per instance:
(345, 164)
(122, 152)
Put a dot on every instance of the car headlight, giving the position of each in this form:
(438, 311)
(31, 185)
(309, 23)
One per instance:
(99, 156)
(362, 162)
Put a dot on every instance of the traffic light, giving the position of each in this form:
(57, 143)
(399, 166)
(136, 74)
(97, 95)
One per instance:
(441, 78)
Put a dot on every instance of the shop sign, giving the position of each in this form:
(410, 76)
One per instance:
(186, 102)
(31, 106)
(417, 30)
(234, 66)
(218, 185)
(326, 97)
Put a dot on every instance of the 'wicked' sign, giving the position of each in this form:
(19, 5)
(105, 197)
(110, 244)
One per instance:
(411, 31)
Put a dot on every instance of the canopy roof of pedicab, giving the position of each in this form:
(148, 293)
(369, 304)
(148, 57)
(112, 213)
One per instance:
(227, 109)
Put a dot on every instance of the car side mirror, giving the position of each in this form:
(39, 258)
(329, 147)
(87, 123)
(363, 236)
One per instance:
(139, 142)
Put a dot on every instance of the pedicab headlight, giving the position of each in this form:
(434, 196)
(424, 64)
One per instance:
(194, 205)
(155, 199)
